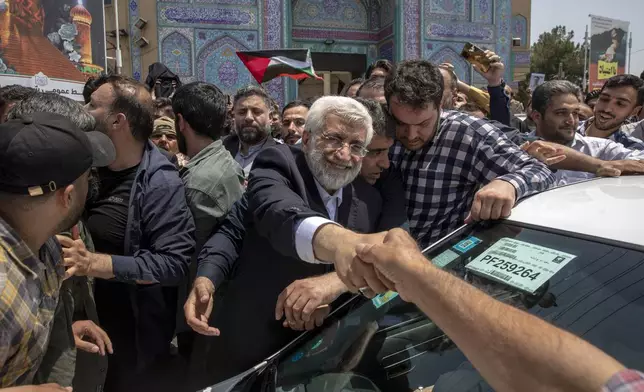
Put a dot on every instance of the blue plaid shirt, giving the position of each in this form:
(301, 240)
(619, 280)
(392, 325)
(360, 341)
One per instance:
(441, 178)
(618, 136)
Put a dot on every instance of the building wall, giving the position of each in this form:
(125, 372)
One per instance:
(197, 39)
(521, 11)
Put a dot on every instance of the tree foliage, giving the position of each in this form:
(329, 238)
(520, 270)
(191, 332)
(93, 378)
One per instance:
(557, 47)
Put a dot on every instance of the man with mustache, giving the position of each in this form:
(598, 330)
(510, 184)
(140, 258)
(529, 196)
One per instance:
(618, 100)
(251, 111)
(556, 112)
(293, 121)
(294, 195)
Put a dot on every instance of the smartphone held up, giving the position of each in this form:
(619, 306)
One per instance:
(476, 56)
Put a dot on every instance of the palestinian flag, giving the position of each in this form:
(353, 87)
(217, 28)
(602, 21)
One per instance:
(265, 65)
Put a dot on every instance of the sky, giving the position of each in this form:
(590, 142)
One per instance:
(573, 14)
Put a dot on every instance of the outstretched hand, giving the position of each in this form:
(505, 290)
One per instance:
(198, 307)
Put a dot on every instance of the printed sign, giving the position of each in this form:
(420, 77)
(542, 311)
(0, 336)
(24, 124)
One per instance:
(536, 79)
(608, 42)
(63, 39)
(43, 83)
(519, 264)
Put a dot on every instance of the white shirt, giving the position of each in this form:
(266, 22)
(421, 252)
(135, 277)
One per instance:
(635, 129)
(306, 229)
(604, 149)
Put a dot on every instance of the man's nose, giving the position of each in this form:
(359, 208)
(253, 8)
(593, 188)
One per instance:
(344, 153)
(412, 132)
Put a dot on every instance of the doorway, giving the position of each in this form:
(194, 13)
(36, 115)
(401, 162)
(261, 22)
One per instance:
(337, 70)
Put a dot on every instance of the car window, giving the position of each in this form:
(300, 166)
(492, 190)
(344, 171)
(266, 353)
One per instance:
(592, 289)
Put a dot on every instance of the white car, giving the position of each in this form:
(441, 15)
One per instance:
(572, 255)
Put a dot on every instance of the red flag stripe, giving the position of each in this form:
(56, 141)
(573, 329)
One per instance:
(256, 65)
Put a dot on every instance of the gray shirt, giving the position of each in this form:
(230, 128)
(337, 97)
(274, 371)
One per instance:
(246, 161)
(213, 182)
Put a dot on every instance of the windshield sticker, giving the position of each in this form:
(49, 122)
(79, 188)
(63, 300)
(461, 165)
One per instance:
(519, 264)
(467, 244)
(443, 259)
(382, 299)
(297, 356)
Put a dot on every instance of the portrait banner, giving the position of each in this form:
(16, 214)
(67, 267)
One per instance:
(608, 43)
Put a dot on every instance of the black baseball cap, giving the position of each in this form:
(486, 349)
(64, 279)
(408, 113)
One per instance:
(42, 152)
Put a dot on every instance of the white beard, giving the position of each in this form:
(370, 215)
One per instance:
(329, 176)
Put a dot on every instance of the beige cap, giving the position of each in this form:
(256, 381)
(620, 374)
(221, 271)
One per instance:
(163, 126)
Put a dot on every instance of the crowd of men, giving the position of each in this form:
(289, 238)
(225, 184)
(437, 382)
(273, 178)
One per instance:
(171, 243)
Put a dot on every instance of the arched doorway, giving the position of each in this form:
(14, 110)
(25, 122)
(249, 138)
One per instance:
(344, 36)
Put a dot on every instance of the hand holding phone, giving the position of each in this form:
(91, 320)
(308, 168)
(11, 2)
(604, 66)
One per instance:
(486, 62)
(476, 56)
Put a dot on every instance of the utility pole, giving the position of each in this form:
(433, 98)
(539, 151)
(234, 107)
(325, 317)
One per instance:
(630, 51)
(584, 85)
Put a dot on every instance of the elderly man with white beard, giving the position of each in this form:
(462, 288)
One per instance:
(293, 195)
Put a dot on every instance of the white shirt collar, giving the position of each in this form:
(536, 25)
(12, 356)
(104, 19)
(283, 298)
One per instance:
(331, 202)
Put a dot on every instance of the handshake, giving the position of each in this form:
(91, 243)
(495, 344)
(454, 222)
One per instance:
(371, 263)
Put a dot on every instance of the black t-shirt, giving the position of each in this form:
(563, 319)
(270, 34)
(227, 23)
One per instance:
(107, 215)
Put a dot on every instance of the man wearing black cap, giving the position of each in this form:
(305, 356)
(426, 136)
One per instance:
(44, 167)
(144, 232)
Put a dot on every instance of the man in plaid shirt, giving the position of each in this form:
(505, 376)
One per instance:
(452, 163)
(50, 188)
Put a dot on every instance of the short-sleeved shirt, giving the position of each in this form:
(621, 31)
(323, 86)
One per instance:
(29, 292)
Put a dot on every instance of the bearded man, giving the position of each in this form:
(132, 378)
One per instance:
(252, 108)
(293, 196)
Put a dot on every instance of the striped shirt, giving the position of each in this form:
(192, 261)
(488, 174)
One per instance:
(29, 290)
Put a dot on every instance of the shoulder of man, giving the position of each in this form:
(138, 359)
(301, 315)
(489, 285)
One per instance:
(456, 126)
(218, 172)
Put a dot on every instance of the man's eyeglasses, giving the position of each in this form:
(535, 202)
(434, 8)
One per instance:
(336, 143)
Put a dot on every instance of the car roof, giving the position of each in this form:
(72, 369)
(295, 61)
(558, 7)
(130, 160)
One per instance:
(608, 208)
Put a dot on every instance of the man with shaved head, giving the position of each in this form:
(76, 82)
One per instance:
(143, 233)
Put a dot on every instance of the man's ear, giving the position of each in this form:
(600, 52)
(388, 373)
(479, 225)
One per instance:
(181, 124)
(120, 119)
(637, 111)
(65, 197)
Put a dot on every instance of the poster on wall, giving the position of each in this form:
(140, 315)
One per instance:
(52, 45)
(608, 42)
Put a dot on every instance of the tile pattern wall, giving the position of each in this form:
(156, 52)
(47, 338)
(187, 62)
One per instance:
(198, 38)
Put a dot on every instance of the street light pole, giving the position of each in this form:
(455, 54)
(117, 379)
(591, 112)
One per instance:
(585, 47)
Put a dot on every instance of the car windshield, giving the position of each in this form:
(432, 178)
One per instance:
(592, 289)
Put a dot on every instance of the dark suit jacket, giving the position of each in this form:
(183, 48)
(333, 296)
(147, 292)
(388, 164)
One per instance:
(281, 192)
(231, 143)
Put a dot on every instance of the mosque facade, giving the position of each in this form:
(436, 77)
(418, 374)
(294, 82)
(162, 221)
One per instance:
(197, 39)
